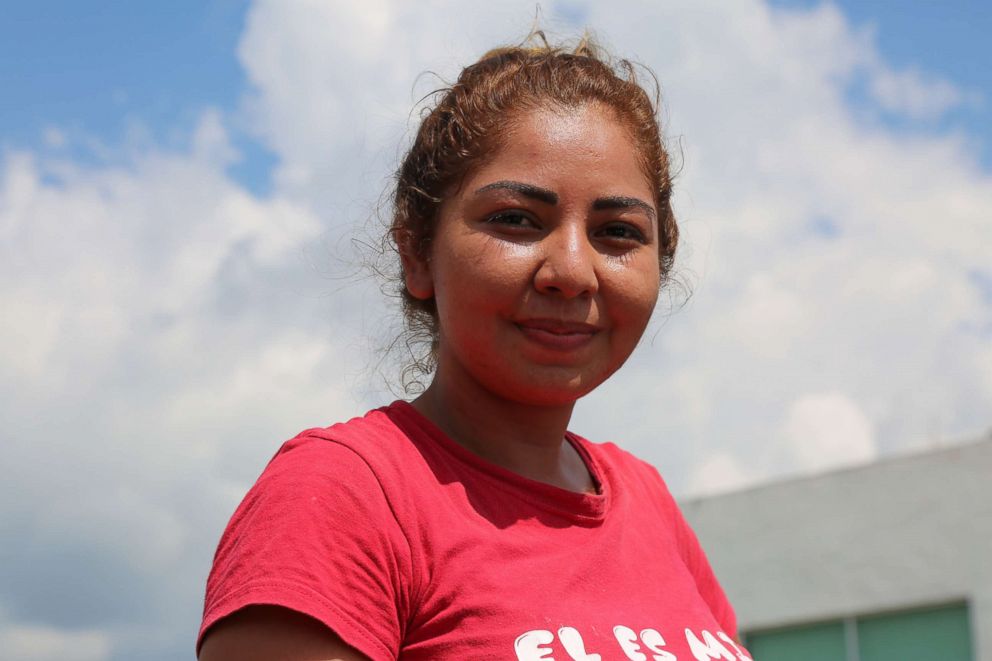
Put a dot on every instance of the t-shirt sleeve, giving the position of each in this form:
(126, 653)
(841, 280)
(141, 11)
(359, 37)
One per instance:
(706, 582)
(316, 534)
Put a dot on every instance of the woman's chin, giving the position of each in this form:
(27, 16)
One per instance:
(551, 390)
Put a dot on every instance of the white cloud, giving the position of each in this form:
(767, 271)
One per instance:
(162, 333)
(28, 643)
(911, 93)
(720, 472)
(828, 430)
(334, 83)
(53, 137)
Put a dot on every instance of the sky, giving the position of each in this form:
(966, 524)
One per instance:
(191, 194)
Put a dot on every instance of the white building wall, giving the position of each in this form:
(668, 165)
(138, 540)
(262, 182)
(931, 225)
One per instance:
(905, 532)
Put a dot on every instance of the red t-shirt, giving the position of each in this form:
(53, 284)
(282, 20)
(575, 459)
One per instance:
(411, 547)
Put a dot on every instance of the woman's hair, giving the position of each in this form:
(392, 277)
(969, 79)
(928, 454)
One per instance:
(468, 121)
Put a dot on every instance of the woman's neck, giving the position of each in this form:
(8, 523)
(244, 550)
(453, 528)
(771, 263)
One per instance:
(525, 439)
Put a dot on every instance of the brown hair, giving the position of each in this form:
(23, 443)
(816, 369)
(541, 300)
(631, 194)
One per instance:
(470, 118)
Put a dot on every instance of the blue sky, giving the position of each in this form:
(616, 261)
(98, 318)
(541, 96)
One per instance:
(186, 187)
(100, 69)
(947, 39)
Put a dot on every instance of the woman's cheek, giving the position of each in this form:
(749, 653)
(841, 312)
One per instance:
(504, 266)
(635, 291)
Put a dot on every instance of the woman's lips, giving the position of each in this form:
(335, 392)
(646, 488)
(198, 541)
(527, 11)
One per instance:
(558, 335)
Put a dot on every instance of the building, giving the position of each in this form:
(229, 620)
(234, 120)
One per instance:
(889, 561)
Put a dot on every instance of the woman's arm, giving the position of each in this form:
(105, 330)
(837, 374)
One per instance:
(273, 633)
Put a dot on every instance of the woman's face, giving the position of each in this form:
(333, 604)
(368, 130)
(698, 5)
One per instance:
(544, 262)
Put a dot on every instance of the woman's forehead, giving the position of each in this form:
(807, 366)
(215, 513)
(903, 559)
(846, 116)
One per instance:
(552, 144)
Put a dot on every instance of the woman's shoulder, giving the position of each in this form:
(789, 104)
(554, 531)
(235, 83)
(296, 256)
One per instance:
(616, 459)
(320, 533)
(375, 439)
(375, 457)
(633, 481)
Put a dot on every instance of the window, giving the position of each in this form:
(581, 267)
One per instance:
(919, 635)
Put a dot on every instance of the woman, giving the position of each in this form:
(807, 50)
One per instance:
(534, 225)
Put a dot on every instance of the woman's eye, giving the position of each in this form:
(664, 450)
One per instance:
(623, 231)
(511, 219)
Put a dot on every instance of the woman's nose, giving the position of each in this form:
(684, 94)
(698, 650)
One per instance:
(567, 264)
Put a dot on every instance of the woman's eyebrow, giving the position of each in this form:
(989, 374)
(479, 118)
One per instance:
(529, 190)
(550, 197)
(621, 202)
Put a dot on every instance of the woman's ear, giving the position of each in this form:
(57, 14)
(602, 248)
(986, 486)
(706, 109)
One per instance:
(417, 274)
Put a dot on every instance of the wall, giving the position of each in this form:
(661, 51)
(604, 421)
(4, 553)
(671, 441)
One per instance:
(905, 532)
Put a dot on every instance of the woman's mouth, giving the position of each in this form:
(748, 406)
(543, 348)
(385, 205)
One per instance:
(556, 334)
